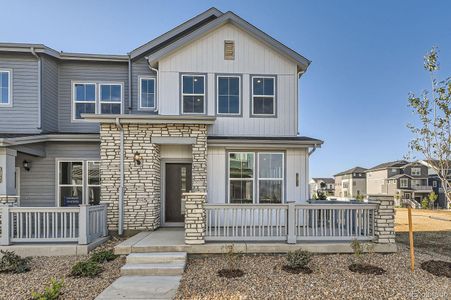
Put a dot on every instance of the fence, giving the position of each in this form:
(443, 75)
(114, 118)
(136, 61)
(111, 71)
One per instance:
(81, 224)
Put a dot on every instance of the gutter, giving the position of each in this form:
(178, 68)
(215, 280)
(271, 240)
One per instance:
(311, 151)
(121, 175)
(39, 87)
(157, 104)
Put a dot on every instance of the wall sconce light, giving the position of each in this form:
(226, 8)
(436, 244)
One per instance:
(26, 165)
(137, 158)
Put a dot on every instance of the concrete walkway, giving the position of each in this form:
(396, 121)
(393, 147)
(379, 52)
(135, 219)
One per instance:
(142, 287)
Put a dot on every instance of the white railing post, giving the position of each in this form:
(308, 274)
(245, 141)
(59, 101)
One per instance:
(83, 219)
(291, 223)
(4, 241)
(105, 220)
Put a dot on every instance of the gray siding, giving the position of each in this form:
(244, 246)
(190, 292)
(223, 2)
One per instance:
(49, 94)
(23, 116)
(139, 68)
(38, 186)
(90, 72)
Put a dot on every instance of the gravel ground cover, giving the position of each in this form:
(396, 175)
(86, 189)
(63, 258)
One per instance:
(331, 279)
(20, 286)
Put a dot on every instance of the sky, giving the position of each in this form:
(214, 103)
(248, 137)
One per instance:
(366, 57)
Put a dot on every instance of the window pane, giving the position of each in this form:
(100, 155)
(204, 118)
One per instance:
(223, 86)
(241, 165)
(257, 84)
(234, 86)
(147, 86)
(71, 173)
(79, 92)
(110, 108)
(187, 84)
(71, 196)
(264, 105)
(241, 191)
(94, 195)
(84, 108)
(234, 104)
(223, 104)
(198, 84)
(105, 92)
(199, 104)
(4, 95)
(94, 173)
(4, 79)
(85, 92)
(270, 191)
(90, 92)
(270, 165)
(116, 92)
(268, 86)
(188, 104)
(147, 100)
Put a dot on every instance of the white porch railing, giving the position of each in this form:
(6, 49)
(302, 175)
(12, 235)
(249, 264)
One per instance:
(290, 222)
(81, 224)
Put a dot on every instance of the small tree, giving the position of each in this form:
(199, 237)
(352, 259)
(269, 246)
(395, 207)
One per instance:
(432, 134)
(432, 198)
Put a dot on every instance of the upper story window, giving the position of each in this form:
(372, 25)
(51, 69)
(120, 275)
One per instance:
(404, 182)
(91, 98)
(5, 88)
(263, 95)
(228, 95)
(110, 98)
(147, 93)
(193, 94)
(84, 99)
(415, 171)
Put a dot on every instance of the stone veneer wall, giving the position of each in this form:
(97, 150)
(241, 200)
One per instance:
(195, 218)
(384, 219)
(142, 182)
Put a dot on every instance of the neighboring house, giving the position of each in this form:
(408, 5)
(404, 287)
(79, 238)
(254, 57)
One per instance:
(436, 184)
(325, 185)
(209, 107)
(350, 183)
(401, 179)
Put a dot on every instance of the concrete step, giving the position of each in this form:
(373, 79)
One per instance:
(156, 257)
(161, 269)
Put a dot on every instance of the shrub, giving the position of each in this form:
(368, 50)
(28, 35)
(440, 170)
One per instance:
(232, 258)
(103, 256)
(357, 248)
(87, 268)
(425, 203)
(298, 259)
(52, 292)
(13, 263)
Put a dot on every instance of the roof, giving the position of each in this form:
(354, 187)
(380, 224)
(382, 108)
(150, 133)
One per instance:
(230, 17)
(170, 41)
(275, 141)
(353, 170)
(399, 176)
(390, 164)
(22, 139)
(325, 179)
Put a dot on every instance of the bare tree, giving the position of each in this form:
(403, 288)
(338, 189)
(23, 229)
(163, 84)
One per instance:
(432, 132)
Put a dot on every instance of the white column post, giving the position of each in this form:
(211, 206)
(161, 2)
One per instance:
(291, 223)
(4, 240)
(105, 220)
(83, 226)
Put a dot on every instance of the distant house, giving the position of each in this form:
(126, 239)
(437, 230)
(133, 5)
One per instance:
(406, 181)
(350, 183)
(325, 185)
(436, 184)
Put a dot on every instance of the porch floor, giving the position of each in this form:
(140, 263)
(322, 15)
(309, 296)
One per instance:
(172, 240)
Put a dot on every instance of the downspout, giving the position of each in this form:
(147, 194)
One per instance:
(39, 87)
(121, 182)
(157, 104)
(129, 84)
(311, 151)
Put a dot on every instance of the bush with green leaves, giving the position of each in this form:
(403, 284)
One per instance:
(103, 256)
(298, 259)
(51, 292)
(13, 263)
(425, 203)
(87, 268)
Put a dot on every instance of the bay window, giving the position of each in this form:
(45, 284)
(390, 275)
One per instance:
(256, 177)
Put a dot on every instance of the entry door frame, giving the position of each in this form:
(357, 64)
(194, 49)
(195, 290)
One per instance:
(163, 163)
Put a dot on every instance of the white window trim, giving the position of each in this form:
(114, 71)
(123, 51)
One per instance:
(416, 169)
(263, 96)
(74, 102)
(10, 87)
(99, 91)
(87, 178)
(402, 181)
(273, 179)
(241, 179)
(204, 94)
(239, 95)
(140, 79)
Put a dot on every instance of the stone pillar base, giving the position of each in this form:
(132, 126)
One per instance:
(195, 218)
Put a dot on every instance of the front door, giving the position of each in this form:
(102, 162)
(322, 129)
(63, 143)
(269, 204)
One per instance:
(178, 180)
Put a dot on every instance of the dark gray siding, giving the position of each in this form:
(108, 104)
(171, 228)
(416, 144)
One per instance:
(38, 186)
(139, 68)
(90, 72)
(49, 94)
(23, 116)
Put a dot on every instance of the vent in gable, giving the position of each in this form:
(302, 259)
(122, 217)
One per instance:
(229, 50)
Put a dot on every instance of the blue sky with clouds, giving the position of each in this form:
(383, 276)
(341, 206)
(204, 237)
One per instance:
(366, 57)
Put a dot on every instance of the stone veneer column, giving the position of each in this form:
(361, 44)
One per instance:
(384, 218)
(195, 218)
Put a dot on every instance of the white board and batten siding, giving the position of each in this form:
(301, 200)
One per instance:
(252, 57)
(296, 161)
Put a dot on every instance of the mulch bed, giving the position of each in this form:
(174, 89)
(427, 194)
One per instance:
(230, 273)
(437, 267)
(303, 270)
(366, 269)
